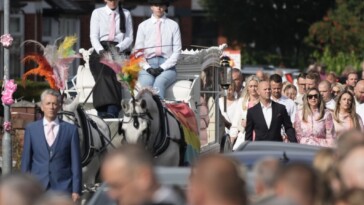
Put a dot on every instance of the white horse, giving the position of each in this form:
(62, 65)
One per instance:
(146, 121)
(180, 91)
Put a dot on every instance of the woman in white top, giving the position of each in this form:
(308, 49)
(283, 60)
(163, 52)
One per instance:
(247, 100)
(230, 111)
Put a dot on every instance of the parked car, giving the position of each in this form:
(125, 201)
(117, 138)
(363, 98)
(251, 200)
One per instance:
(250, 152)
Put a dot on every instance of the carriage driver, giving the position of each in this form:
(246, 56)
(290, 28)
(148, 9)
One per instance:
(110, 27)
(161, 38)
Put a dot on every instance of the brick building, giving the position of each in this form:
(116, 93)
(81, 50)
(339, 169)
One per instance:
(47, 20)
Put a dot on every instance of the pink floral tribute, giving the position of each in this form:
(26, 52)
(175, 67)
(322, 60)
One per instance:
(7, 94)
(6, 40)
(7, 126)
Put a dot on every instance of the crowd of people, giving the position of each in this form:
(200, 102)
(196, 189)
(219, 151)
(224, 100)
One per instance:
(312, 109)
(317, 109)
(335, 177)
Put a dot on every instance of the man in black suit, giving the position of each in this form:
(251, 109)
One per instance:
(267, 118)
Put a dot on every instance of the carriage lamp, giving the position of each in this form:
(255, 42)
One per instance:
(225, 76)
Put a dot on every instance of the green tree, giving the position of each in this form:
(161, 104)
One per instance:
(267, 28)
(339, 61)
(341, 30)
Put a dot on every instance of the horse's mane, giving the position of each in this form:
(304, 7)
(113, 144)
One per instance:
(146, 90)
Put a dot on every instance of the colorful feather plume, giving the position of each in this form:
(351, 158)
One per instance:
(127, 68)
(43, 69)
(65, 49)
(58, 59)
(113, 59)
(130, 71)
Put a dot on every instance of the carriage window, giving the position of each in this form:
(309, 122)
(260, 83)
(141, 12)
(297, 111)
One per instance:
(210, 129)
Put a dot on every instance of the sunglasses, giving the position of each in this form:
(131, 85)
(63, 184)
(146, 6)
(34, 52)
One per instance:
(312, 96)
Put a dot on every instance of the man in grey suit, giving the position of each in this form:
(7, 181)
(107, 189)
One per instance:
(52, 149)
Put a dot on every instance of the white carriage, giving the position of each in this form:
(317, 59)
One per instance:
(197, 84)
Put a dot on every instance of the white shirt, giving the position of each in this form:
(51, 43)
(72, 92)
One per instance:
(290, 106)
(267, 112)
(166, 195)
(360, 110)
(331, 104)
(100, 26)
(55, 128)
(299, 99)
(171, 40)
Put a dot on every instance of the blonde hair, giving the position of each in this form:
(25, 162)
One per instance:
(306, 110)
(352, 111)
(245, 94)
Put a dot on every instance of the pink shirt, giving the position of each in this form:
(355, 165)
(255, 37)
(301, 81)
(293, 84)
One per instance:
(346, 124)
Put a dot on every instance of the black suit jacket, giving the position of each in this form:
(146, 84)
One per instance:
(256, 122)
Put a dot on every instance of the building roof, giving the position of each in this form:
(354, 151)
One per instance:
(68, 6)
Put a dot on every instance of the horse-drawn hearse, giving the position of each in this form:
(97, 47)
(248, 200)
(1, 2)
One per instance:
(176, 130)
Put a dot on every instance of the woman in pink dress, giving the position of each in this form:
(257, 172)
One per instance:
(313, 123)
(248, 99)
(345, 117)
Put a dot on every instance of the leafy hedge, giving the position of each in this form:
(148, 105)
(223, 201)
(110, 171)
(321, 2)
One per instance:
(31, 91)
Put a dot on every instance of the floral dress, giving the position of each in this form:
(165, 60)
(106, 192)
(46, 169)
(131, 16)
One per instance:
(315, 132)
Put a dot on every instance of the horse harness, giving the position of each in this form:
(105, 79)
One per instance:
(163, 135)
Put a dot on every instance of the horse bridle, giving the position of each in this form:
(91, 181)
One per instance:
(134, 116)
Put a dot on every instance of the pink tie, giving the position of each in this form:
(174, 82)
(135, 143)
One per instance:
(158, 49)
(50, 133)
(112, 27)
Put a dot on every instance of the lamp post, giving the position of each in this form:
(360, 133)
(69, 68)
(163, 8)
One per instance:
(225, 76)
(6, 141)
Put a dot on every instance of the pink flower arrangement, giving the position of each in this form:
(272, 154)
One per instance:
(6, 40)
(7, 94)
(7, 126)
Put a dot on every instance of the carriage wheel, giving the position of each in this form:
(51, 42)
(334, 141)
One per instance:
(225, 144)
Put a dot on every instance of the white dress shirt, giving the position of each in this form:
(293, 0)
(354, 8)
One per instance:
(299, 99)
(331, 104)
(55, 128)
(100, 26)
(290, 106)
(360, 110)
(166, 195)
(171, 40)
(267, 112)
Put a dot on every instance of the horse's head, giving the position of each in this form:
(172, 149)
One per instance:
(136, 121)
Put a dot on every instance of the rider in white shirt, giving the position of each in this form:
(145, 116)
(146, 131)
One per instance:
(160, 39)
(110, 28)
